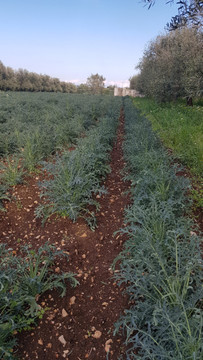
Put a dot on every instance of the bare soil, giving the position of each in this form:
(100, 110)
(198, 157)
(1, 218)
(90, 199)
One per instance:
(80, 325)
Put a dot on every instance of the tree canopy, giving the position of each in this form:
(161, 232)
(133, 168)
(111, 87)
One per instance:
(172, 66)
(96, 83)
(23, 80)
(190, 12)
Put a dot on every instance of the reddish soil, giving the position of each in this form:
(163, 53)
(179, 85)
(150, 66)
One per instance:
(84, 319)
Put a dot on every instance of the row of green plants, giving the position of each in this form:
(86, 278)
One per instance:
(23, 279)
(180, 127)
(34, 126)
(42, 122)
(160, 264)
(75, 176)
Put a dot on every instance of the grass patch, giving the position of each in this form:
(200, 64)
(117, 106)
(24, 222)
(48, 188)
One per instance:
(180, 128)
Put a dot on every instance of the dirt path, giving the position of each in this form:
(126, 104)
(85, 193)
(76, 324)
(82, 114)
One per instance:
(80, 325)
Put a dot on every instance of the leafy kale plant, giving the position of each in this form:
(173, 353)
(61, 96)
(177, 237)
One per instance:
(161, 263)
(22, 280)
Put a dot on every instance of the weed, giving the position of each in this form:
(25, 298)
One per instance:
(11, 171)
(3, 195)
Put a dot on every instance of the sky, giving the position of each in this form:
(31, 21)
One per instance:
(72, 39)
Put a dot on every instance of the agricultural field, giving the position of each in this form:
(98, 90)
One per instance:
(99, 255)
(35, 126)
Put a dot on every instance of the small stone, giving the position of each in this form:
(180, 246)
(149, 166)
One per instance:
(84, 235)
(66, 352)
(40, 342)
(85, 276)
(107, 345)
(97, 334)
(64, 313)
(72, 300)
(84, 256)
(49, 345)
(57, 270)
(104, 303)
(62, 340)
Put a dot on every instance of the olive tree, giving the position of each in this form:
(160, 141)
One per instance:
(172, 66)
(190, 12)
(96, 83)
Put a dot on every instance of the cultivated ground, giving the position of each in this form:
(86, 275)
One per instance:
(81, 324)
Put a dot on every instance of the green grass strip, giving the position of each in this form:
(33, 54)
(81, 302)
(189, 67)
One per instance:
(180, 127)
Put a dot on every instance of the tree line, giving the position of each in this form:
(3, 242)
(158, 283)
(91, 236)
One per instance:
(23, 80)
(172, 66)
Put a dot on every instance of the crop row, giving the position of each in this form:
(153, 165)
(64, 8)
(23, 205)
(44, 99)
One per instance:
(46, 121)
(73, 177)
(76, 175)
(160, 263)
(33, 126)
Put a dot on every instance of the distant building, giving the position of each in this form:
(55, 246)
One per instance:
(125, 92)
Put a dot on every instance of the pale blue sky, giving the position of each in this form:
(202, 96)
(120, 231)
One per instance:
(72, 39)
